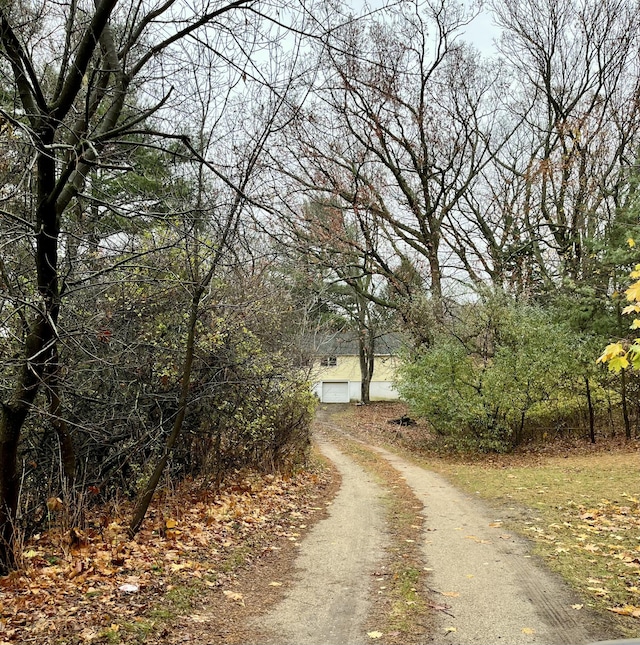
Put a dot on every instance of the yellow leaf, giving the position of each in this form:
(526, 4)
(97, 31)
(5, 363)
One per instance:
(611, 351)
(528, 630)
(635, 324)
(175, 566)
(450, 594)
(631, 242)
(633, 292)
(374, 634)
(618, 363)
(275, 584)
(627, 610)
(171, 524)
(577, 606)
(232, 595)
(55, 504)
(450, 630)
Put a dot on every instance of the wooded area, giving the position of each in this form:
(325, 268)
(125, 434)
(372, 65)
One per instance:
(190, 191)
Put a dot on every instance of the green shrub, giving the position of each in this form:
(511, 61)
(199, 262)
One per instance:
(499, 367)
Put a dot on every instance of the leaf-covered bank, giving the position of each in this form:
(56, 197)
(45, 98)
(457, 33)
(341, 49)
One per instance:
(98, 586)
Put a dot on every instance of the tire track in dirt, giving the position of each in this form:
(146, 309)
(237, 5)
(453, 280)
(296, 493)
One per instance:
(329, 601)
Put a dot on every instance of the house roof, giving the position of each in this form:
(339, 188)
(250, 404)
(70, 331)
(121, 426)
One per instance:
(346, 344)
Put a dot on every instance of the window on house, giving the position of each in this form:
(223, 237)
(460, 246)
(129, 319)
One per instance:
(329, 361)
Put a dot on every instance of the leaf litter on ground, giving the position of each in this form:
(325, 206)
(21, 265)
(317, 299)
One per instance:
(82, 585)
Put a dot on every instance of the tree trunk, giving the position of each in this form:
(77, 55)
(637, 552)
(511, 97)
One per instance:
(10, 425)
(625, 409)
(592, 432)
(366, 368)
(436, 280)
(39, 349)
(366, 342)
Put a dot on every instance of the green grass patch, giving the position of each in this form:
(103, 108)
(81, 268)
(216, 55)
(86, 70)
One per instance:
(582, 512)
(182, 598)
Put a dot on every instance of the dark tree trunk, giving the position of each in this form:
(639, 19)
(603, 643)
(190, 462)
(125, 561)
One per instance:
(10, 424)
(366, 349)
(38, 351)
(592, 431)
(367, 363)
(625, 407)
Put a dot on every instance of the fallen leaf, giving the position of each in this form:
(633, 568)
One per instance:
(55, 504)
(476, 539)
(577, 606)
(450, 594)
(234, 595)
(275, 584)
(450, 630)
(87, 635)
(627, 610)
(528, 630)
(180, 566)
(374, 634)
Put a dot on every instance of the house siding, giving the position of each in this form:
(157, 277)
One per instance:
(347, 369)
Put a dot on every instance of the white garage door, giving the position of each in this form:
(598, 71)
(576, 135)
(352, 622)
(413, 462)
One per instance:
(336, 392)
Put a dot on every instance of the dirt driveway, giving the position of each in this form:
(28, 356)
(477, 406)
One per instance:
(494, 590)
(328, 603)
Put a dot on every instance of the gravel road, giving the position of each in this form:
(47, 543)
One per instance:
(494, 591)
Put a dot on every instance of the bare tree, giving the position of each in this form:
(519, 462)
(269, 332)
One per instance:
(576, 91)
(400, 128)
